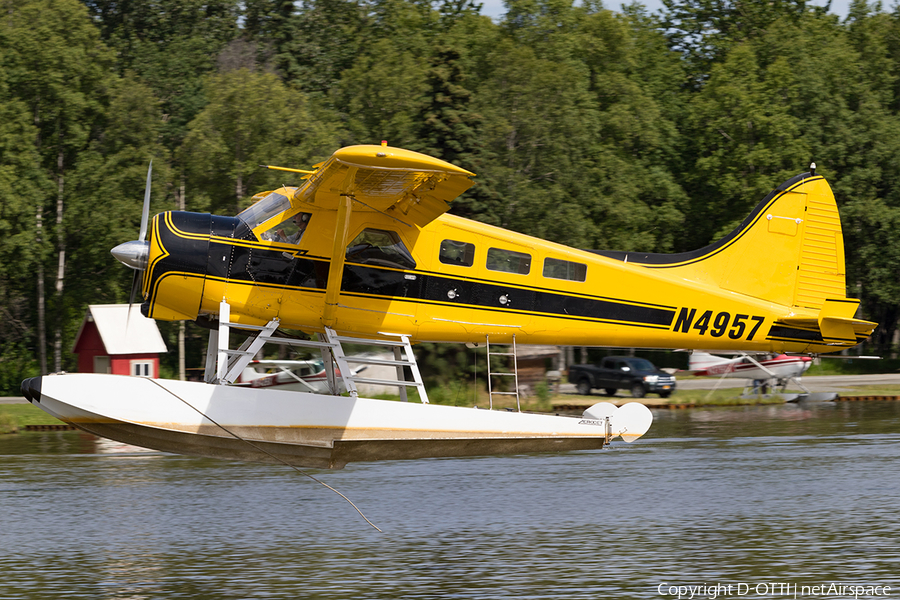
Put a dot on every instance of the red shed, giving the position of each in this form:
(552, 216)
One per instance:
(105, 344)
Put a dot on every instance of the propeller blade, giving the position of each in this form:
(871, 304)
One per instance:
(145, 215)
(134, 254)
(135, 284)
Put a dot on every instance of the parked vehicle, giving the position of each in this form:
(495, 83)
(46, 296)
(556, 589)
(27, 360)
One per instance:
(638, 375)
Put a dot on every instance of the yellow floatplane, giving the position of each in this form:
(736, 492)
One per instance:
(363, 250)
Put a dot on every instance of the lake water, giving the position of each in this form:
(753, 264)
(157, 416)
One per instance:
(752, 498)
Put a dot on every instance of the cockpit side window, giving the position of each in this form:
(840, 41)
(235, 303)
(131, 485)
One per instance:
(260, 212)
(289, 231)
(380, 247)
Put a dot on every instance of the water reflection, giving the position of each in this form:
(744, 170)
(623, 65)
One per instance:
(803, 494)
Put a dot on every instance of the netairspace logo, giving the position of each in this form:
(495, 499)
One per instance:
(711, 591)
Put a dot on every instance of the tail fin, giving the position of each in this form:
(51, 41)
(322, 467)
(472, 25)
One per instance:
(789, 250)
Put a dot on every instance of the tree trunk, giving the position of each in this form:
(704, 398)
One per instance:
(181, 328)
(239, 184)
(41, 300)
(61, 267)
(42, 324)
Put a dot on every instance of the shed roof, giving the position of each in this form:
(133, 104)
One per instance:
(123, 331)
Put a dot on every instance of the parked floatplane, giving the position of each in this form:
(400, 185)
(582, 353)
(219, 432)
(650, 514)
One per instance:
(362, 250)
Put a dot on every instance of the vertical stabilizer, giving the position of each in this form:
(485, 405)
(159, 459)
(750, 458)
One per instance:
(789, 250)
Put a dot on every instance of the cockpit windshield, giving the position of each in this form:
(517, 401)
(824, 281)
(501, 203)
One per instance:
(260, 212)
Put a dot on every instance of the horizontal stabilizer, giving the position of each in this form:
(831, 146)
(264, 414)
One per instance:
(835, 321)
(630, 421)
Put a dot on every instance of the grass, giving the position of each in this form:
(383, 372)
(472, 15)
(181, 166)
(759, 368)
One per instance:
(871, 390)
(548, 401)
(14, 417)
(836, 366)
(8, 423)
(726, 397)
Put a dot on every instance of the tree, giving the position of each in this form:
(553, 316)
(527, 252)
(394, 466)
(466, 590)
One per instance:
(637, 81)
(746, 140)
(59, 69)
(107, 188)
(539, 122)
(251, 119)
(170, 45)
(23, 186)
(451, 129)
(704, 31)
(382, 94)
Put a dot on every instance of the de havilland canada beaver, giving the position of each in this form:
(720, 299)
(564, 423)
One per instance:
(363, 249)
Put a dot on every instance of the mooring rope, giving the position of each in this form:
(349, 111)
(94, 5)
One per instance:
(264, 451)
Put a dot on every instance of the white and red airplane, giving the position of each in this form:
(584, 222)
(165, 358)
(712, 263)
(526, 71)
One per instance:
(290, 375)
(760, 368)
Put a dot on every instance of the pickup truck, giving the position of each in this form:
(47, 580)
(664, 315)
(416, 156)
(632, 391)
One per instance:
(638, 375)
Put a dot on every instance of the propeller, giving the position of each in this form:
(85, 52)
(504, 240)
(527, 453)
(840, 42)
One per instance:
(134, 254)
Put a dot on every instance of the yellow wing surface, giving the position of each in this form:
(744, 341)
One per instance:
(409, 186)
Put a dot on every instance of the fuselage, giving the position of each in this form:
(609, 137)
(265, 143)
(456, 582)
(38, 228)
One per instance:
(779, 367)
(453, 280)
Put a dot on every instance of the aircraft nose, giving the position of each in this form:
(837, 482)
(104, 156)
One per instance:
(31, 389)
(132, 254)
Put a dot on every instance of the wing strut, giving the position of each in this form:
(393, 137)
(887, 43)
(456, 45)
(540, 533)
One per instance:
(338, 250)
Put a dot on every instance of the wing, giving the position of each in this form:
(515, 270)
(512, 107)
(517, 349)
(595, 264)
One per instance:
(406, 185)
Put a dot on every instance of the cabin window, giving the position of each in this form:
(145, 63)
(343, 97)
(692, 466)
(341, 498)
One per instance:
(380, 247)
(289, 231)
(457, 253)
(563, 269)
(508, 261)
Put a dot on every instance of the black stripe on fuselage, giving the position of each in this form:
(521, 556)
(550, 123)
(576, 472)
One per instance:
(784, 333)
(362, 280)
(198, 243)
(279, 268)
(792, 334)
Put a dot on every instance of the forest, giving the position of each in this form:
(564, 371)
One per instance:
(596, 128)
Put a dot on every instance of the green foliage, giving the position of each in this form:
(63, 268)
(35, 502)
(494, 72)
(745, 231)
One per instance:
(251, 119)
(449, 364)
(450, 395)
(16, 364)
(706, 30)
(542, 391)
(638, 132)
(15, 417)
(170, 45)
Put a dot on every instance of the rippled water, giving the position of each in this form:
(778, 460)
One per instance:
(795, 495)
